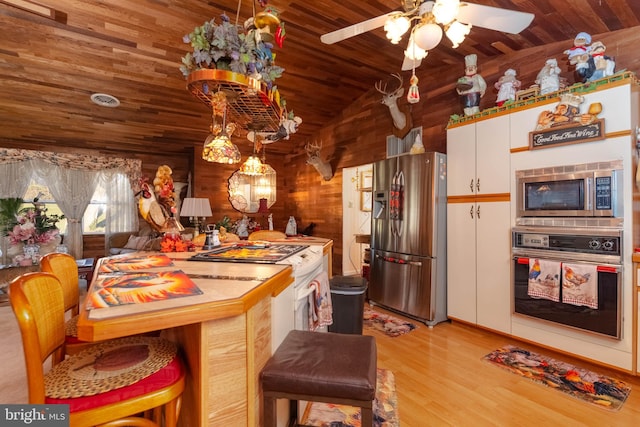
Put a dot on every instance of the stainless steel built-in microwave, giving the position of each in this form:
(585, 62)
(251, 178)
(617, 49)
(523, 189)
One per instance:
(569, 191)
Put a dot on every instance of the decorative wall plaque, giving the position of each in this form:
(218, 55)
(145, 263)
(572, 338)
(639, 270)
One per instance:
(566, 125)
(571, 134)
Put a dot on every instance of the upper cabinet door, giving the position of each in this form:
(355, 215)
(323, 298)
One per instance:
(461, 160)
(493, 156)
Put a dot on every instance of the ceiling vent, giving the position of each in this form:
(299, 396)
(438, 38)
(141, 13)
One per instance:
(105, 100)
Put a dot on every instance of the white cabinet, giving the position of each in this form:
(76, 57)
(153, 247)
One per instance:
(478, 224)
(481, 158)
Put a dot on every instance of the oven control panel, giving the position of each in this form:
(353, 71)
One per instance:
(597, 243)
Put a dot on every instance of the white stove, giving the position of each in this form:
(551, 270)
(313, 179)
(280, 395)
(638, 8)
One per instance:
(289, 310)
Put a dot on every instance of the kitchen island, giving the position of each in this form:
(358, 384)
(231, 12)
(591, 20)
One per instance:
(224, 333)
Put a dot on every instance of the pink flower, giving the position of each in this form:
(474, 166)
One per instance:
(26, 230)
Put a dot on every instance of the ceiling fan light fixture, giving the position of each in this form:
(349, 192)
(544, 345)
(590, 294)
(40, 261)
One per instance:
(456, 32)
(445, 11)
(413, 51)
(427, 35)
(396, 25)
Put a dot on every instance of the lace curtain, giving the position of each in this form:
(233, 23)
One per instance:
(72, 179)
(122, 211)
(14, 178)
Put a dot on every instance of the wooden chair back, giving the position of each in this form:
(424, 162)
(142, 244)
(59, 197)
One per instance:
(38, 303)
(64, 267)
(267, 235)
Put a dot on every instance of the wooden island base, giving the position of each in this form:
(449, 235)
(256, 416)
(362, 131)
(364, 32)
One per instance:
(224, 335)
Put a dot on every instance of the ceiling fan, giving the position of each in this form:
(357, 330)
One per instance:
(428, 19)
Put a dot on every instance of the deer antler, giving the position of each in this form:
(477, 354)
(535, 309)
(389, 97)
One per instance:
(383, 89)
(313, 148)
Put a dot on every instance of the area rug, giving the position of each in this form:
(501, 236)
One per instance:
(385, 408)
(386, 323)
(603, 391)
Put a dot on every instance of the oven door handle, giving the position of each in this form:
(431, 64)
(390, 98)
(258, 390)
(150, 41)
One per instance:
(303, 293)
(600, 268)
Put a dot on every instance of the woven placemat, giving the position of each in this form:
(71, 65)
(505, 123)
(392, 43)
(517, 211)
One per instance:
(71, 327)
(108, 365)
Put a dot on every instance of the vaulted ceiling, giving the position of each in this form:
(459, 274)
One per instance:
(132, 49)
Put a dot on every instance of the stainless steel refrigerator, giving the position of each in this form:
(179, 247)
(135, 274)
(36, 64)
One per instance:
(408, 236)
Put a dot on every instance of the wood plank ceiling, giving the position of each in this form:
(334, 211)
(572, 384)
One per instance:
(49, 66)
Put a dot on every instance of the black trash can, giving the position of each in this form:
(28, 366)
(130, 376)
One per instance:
(347, 299)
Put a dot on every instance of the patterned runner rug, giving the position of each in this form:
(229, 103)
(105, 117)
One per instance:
(600, 390)
(386, 323)
(385, 408)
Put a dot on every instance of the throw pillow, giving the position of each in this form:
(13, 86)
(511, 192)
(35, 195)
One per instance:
(136, 242)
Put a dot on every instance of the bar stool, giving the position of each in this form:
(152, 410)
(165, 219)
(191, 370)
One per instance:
(321, 367)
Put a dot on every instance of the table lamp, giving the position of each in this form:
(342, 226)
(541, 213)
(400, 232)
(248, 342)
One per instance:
(196, 208)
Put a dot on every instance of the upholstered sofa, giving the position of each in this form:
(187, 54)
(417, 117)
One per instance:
(145, 239)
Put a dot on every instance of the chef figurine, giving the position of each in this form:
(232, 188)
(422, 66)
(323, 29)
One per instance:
(549, 77)
(507, 86)
(579, 52)
(471, 87)
(270, 219)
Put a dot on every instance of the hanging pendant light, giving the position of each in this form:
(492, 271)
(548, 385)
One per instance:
(253, 165)
(263, 187)
(218, 147)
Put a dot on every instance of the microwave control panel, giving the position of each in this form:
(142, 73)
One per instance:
(603, 193)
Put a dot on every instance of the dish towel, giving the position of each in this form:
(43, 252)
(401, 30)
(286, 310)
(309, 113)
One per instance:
(544, 279)
(320, 308)
(580, 285)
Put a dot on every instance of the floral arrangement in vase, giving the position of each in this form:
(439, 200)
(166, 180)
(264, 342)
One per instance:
(33, 226)
(240, 49)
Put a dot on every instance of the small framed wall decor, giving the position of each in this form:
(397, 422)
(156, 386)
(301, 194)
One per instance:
(366, 180)
(365, 201)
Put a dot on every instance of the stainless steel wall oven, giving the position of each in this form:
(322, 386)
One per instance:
(571, 277)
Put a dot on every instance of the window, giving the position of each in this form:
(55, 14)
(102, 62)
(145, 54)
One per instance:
(94, 219)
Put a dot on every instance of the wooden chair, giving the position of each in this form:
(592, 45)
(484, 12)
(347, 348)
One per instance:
(38, 303)
(231, 237)
(64, 267)
(267, 235)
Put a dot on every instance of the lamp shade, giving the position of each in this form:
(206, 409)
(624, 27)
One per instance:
(196, 207)
(427, 36)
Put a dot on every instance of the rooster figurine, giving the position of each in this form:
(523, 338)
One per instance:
(574, 278)
(534, 271)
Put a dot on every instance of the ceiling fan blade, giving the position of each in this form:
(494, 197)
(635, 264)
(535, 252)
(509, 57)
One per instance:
(410, 64)
(494, 18)
(354, 30)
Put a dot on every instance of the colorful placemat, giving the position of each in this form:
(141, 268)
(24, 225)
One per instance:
(390, 325)
(134, 263)
(385, 408)
(591, 387)
(110, 290)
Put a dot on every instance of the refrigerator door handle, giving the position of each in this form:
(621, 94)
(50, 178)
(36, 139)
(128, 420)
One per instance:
(399, 261)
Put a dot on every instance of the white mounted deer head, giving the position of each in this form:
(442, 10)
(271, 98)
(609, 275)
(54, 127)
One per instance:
(322, 166)
(390, 99)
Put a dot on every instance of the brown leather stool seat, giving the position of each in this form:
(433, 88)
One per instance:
(321, 367)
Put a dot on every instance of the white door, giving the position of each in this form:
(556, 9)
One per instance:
(356, 216)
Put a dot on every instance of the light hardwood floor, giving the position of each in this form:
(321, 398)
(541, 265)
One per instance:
(441, 380)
